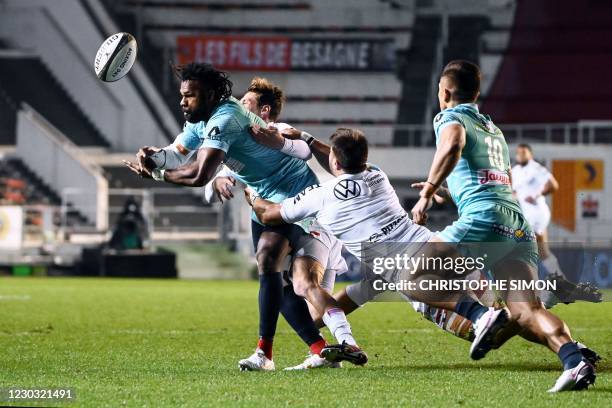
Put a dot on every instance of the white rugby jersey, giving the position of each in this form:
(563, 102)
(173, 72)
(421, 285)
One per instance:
(529, 180)
(356, 208)
(280, 126)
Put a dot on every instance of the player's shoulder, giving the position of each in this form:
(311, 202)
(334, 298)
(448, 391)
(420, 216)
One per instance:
(194, 127)
(537, 166)
(449, 115)
(227, 117)
(374, 173)
(227, 109)
(314, 192)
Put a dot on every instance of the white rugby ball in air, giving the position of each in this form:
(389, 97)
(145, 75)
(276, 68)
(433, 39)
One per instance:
(115, 57)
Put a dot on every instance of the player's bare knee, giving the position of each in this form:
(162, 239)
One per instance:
(302, 284)
(268, 259)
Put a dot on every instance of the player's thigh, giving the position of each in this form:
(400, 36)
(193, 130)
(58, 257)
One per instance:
(307, 247)
(306, 275)
(499, 234)
(272, 247)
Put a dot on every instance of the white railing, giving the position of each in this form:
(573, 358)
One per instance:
(584, 132)
(59, 163)
(151, 211)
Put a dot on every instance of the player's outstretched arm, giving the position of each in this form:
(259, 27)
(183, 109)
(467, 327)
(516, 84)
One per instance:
(272, 138)
(198, 172)
(448, 153)
(267, 212)
(319, 149)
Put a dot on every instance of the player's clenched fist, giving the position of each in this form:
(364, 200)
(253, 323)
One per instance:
(223, 187)
(419, 211)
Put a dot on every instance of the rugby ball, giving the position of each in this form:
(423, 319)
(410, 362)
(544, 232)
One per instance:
(115, 57)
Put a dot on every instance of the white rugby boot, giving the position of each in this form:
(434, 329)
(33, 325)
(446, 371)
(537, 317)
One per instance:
(256, 362)
(314, 361)
(485, 330)
(577, 378)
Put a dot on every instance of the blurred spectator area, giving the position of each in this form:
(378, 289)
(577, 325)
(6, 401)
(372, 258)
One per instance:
(166, 207)
(555, 66)
(19, 186)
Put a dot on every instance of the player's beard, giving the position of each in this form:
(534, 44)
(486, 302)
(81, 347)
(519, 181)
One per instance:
(196, 115)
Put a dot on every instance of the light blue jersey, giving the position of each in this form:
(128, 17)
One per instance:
(481, 178)
(272, 174)
(480, 186)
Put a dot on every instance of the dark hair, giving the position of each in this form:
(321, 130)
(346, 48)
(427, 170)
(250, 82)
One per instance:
(269, 94)
(525, 146)
(465, 76)
(351, 149)
(209, 77)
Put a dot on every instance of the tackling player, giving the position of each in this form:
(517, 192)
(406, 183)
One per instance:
(359, 205)
(472, 156)
(358, 294)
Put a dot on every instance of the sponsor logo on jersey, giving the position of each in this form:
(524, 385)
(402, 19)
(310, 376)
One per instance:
(347, 189)
(387, 229)
(302, 193)
(490, 176)
(214, 133)
(490, 126)
(373, 181)
(516, 234)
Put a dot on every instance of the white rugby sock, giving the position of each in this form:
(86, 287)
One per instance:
(336, 322)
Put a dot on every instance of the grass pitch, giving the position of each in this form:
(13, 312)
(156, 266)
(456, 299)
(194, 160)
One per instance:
(166, 342)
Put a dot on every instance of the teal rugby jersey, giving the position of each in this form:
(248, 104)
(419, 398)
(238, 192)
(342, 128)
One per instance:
(481, 178)
(272, 174)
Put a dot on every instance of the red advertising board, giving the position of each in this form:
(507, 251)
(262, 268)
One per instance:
(236, 53)
(240, 53)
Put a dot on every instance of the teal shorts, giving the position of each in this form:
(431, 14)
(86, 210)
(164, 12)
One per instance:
(500, 233)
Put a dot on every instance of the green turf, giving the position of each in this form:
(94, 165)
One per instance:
(164, 342)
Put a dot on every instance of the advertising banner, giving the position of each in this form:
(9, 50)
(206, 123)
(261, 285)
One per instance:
(238, 53)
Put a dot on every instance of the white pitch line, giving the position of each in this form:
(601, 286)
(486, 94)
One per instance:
(15, 297)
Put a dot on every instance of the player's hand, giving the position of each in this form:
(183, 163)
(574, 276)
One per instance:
(135, 167)
(269, 136)
(419, 211)
(438, 196)
(144, 163)
(223, 187)
(292, 133)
